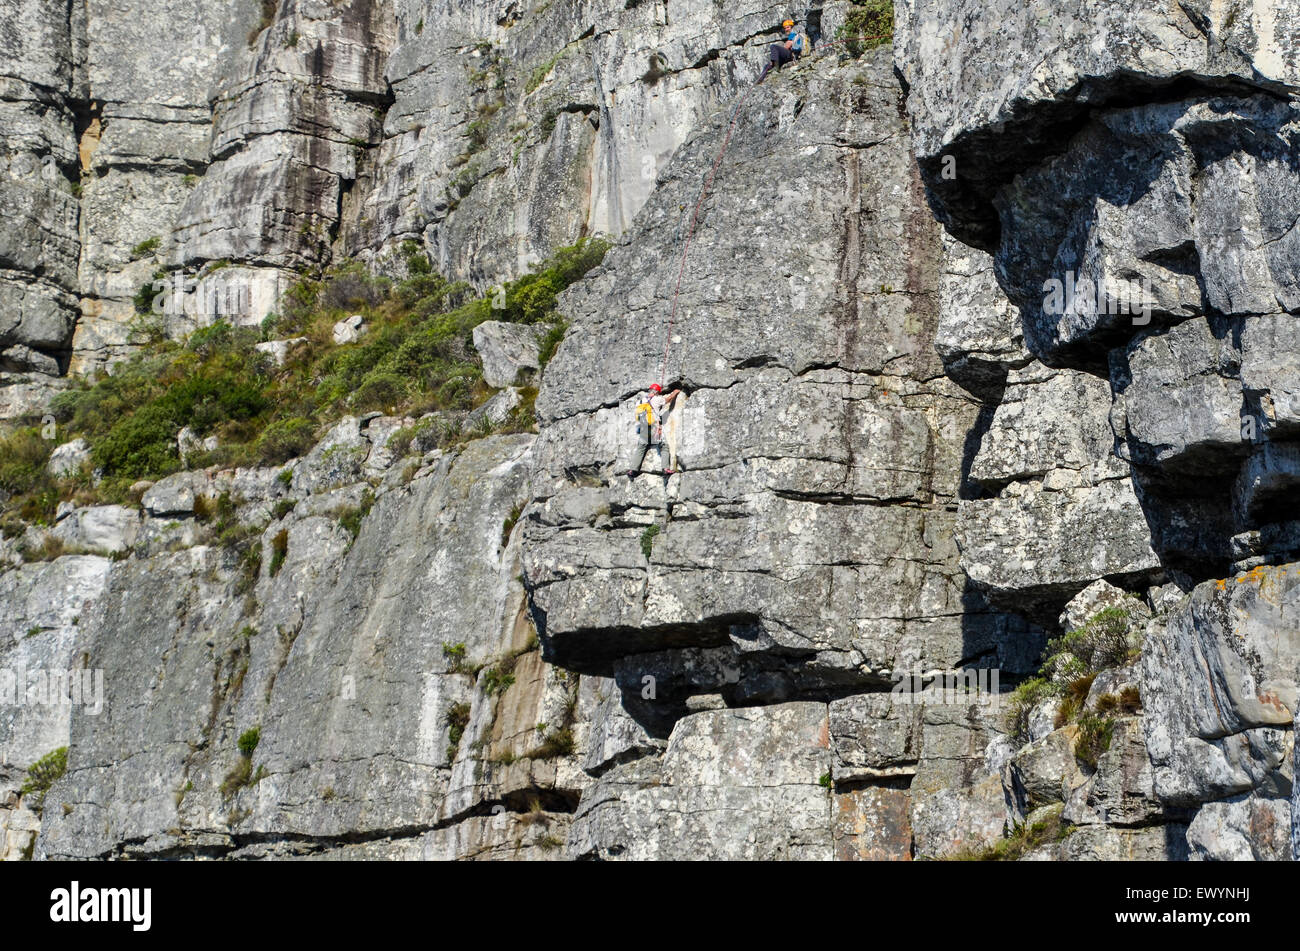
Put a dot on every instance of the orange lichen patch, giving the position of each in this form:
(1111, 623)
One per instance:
(1267, 580)
(1271, 699)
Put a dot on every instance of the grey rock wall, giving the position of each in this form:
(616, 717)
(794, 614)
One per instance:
(896, 460)
(223, 148)
(39, 248)
(354, 685)
(1149, 153)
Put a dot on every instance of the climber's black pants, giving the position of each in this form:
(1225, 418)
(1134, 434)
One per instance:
(778, 56)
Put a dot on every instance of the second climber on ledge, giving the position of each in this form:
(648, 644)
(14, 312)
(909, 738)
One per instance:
(786, 51)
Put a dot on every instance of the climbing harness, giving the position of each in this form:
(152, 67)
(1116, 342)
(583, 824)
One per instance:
(708, 183)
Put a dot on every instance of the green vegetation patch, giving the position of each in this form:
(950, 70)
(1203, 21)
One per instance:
(1095, 733)
(538, 75)
(868, 18)
(43, 774)
(1070, 665)
(648, 540)
(417, 357)
(1023, 839)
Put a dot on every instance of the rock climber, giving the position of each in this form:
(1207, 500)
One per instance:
(650, 414)
(787, 50)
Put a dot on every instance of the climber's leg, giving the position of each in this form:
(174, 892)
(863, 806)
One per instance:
(631, 459)
(672, 430)
(778, 56)
(658, 442)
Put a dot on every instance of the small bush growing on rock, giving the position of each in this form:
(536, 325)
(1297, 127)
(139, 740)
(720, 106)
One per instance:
(523, 418)
(47, 549)
(350, 518)
(250, 565)
(279, 551)
(399, 443)
(237, 778)
(457, 720)
(1127, 701)
(284, 439)
(1070, 666)
(43, 774)
(24, 455)
(1073, 696)
(1130, 699)
(557, 743)
(218, 510)
(550, 342)
(148, 293)
(497, 681)
(534, 814)
(1094, 738)
(648, 540)
(1022, 840)
(249, 739)
(508, 525)
(148, 246)
(538, 75)
(868, 18)
(1021, 704)
(455, 654)
(1102, 643)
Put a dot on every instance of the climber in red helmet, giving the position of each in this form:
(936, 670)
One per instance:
(650, 414)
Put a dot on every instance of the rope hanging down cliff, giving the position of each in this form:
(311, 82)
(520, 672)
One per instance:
(708, 183)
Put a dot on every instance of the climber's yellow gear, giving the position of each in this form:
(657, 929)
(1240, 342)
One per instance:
(787, 24)
(649, 412)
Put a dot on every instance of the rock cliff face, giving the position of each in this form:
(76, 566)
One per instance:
(1150, 154)
(899, 465)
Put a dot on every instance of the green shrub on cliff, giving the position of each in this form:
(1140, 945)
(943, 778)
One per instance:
(34, 493)
(868, 18)
(43, 774)
(416, 356)
(1070, 664)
